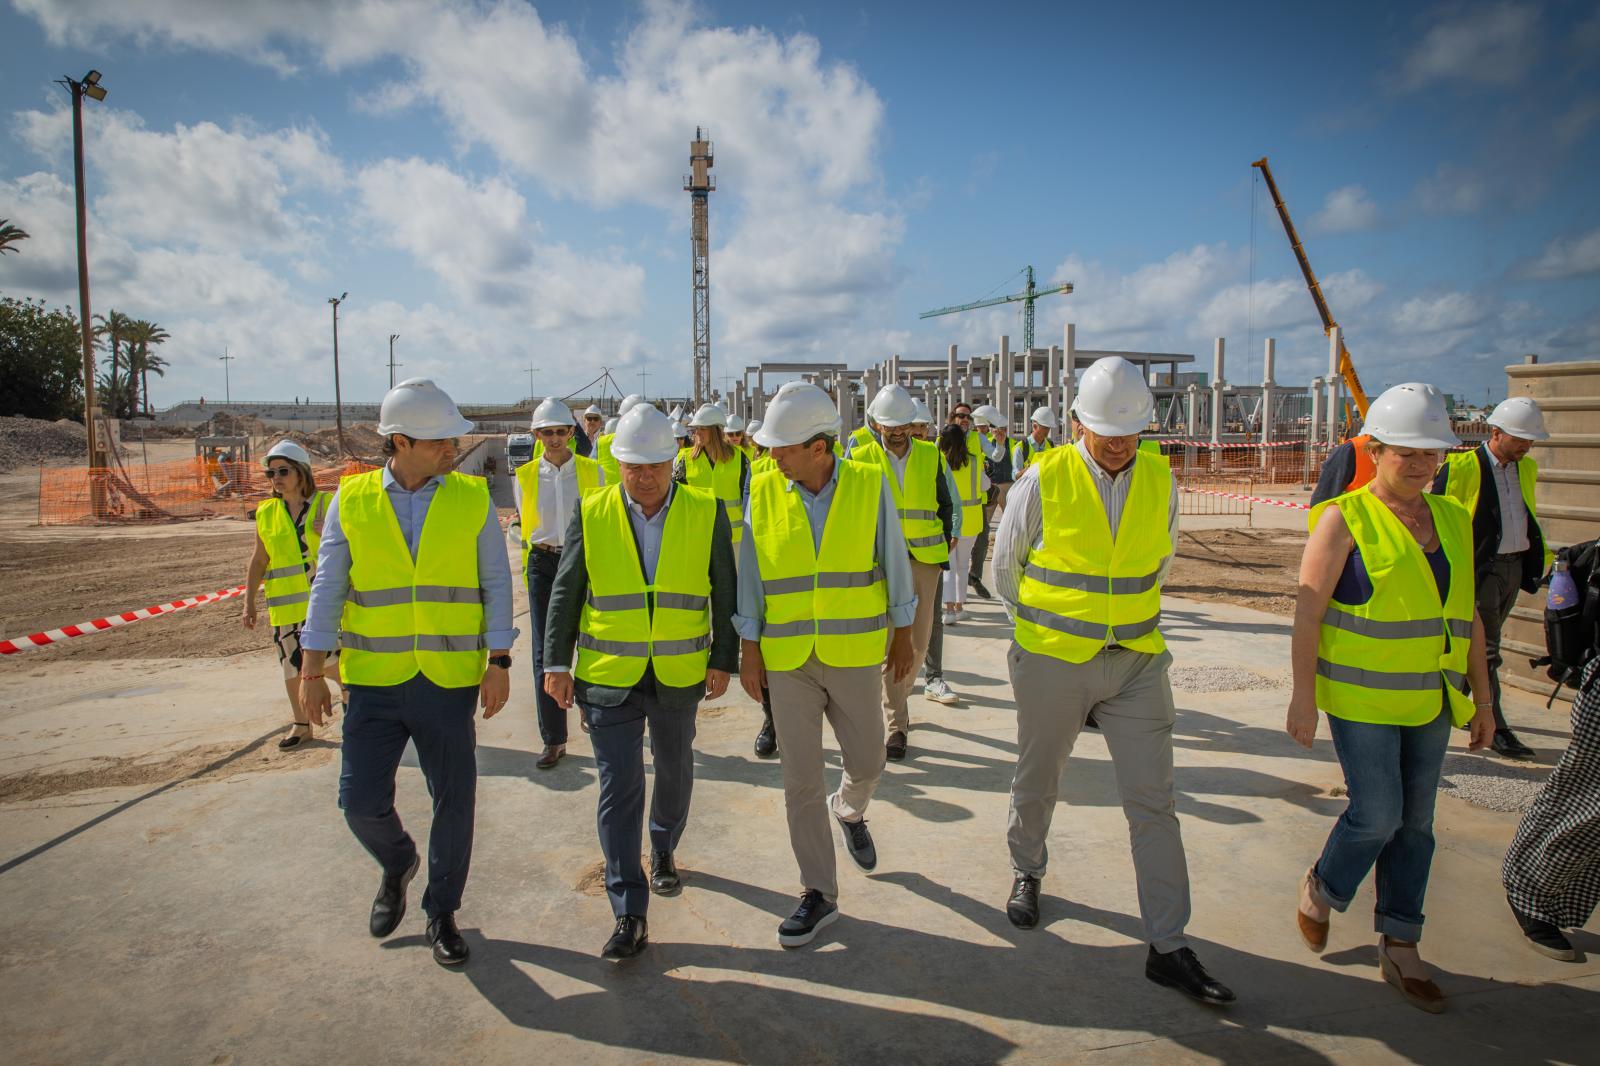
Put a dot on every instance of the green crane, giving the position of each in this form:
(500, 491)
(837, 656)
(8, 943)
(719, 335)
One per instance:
(1025, 298)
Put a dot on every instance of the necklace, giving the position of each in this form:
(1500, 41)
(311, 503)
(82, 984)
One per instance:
(1415, 519)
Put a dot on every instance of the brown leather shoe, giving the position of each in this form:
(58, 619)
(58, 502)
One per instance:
(1422, 994)
(1313, 932)
(552, 755)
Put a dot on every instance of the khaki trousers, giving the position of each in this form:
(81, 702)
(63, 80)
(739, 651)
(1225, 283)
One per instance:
(1131, 698)
(925, 579)
(848, 698)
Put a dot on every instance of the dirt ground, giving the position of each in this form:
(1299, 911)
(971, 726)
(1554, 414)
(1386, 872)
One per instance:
(1247, 567)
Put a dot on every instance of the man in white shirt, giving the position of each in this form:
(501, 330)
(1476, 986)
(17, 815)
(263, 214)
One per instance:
(547, 492)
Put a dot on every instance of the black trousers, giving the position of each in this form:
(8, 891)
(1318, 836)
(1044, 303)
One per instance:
(541, 578)
(980, 547)
(1496, 595)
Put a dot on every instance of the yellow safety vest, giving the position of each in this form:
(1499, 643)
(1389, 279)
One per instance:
(602, 455)
(618, 633)
(1464, 483)
(836, 601)
(970, 487)
(588, 473)
(1152, 447)
(401, 615)
(285, 580)
(860, 437)
(1386, 660)
(722, 480)
(917, 502)
(1087, 584)
(761, 464)
(1023, 453)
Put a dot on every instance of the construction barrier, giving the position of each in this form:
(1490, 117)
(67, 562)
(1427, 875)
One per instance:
(100, 625)
(1245, 497)
(162, 492)
(1276, 463)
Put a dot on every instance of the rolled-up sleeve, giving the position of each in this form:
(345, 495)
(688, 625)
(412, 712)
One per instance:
(1021, 526)
(329, 587)
(896, 562)
(494, 578)
(752, 602)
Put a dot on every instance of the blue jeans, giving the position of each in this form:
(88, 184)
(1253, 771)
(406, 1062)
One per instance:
(1392, 775)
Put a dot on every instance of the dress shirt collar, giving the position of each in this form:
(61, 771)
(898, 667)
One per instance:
(833, 479)
(546, 466)
(1099, 472)
(390, 481)
(660, 515)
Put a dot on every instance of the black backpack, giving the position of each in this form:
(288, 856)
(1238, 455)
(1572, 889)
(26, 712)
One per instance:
(1572, 634)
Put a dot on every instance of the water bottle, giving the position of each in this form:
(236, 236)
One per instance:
(1563, 590)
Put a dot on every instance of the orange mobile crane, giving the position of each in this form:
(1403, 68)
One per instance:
(1347, 369)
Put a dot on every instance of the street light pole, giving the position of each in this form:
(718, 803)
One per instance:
(532, 370)
(392, 364)
(338, 400)
(227, 387)
(89, 86)
(643, 374)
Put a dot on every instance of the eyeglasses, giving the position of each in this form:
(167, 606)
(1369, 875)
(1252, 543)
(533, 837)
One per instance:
(279, 471)
(963, 417)
(554, 431)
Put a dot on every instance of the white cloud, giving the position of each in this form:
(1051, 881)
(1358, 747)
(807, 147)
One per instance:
(1453, 190)
(1496, 44)
(1439, 314)
(1347, 209)
(1566, 257)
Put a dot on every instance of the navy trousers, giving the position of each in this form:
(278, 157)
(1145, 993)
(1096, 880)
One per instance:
(378, 721)
(617, 736)
(541, 577)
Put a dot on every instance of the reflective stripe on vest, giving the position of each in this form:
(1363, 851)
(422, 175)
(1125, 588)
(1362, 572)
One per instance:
(402, 616)
(917, 500)
(618, 633)
(287, 589)
(971, 492)
(588, 474)
(834, 601)
(1386, 661)
(1464, 482)
(721, 480)
(1086, 584)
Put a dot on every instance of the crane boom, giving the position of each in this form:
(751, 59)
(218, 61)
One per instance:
(1347, 367)
(1025, 298)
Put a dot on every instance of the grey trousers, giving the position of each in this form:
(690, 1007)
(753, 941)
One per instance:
(1131, 698)
(848, 698)
(1496, 595)
(925, 579)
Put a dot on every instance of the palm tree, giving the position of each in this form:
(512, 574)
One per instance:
(114, 324)
(10, 235)
(142, 361)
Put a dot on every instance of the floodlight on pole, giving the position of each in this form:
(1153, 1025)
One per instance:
(90, 85)
(338, 400)
(392, 364)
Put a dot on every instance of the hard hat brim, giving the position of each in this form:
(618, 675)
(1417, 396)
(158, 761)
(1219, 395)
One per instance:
(1521, 432)
(1112, 429)
(1420, 441)
(460, 428)
(637, 458)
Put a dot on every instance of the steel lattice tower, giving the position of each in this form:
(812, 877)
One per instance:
(699, 183)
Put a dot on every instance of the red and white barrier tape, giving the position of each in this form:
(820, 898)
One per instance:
(1184, 442)
(1253, 499)
(100, 625)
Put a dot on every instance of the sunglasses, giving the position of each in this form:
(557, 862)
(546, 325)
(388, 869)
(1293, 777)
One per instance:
(554, 431)
(279, 471)
(964, 418)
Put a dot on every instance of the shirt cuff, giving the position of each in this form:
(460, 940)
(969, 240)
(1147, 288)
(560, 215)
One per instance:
(902, 615)
(747, 628)
(502, 638)
(556, 669)
(316, 640)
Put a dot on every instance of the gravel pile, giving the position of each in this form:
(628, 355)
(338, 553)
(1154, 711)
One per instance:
(1222, 679)
(33, 441)
(1490, 783)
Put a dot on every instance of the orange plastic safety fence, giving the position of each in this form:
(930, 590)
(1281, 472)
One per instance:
(162, 492)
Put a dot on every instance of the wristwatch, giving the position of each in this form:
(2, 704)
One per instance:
(502, 661)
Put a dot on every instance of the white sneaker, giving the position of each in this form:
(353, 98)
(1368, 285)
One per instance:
(938, 690)
(963, 615)
(952, 617)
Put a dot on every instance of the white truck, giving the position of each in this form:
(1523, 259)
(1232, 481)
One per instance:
(519, 449)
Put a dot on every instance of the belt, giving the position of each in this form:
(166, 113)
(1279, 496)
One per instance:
(548, 549)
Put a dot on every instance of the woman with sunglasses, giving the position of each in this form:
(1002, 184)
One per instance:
(288, 531)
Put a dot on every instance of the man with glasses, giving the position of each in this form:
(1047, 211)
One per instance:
(588, 435)
(547, 492)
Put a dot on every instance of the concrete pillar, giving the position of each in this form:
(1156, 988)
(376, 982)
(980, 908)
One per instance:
(1333, 383)
(843, 397)
(1217, 374)
(1004, 373)
(1192, 412)
(1069, 369)
(1053, 389)
(1313, 431)
(1269, 358)
(894, 369)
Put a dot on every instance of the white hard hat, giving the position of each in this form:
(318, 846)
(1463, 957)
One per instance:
(287, 449)
(923, 417)
(799, 412)
(987, 414)
(593, 411)
(422, 410)
(629, 402)
(753, 427)
(644, 435)
(735, 424)
(709, 415)
(676, 414)
(551, 412)
(1113, 399)
(1412, 415)
(611, 426)
(1520, 417)
(680, 431)
(1047, 418)
(893, 406)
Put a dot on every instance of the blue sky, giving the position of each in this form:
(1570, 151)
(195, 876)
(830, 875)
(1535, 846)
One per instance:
(499, 183)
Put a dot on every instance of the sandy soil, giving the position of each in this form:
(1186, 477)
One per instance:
(1248, 567)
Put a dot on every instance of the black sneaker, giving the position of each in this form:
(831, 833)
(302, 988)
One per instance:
(767, 740)
(858, 842)
(813, 914)
(894, 749)
(976, 585)
(1506, 743)
(1545, 938)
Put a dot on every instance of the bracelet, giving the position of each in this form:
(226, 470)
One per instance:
(1484, 706)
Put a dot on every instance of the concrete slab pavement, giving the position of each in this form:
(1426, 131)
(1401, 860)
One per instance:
(223, 919)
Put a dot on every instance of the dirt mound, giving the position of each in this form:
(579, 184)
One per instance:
(363, 439)
(223, 424)
(32, 441)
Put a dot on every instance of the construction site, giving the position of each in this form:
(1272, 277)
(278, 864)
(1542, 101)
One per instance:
(179, 889)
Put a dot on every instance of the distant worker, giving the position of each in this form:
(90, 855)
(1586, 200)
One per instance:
(714, 464)
(823, 582)
(1041, 425)
(760, 459)
(646, 595)
(1385, 640)
(594, 427)
(288, 532)
(413, 573)
(911, 469)
(934, 686)
(971, 483)
(547, 493)
(1088, 534)
(602, 453)
(1347, 468)
(1495, 484)
(737, 437)
(990, 424)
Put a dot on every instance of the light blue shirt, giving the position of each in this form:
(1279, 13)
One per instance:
(332, 583)
(648, 531)
(892, 558)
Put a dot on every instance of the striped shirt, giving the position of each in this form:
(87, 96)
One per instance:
(1022, 523)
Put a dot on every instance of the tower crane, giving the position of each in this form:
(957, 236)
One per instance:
(1025, 298)
(1347, 368)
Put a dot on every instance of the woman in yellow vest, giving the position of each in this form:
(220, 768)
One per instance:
(714, 464)
(1386, 638)
(288, 530)
(971, 482)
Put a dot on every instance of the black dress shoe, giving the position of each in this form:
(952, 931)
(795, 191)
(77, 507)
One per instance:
(664, 879)
(1023, 906)
(1506, 743)
(767, 740)
(448, 947)
(630, 938)
(1181, 970)
(977, 586)
(813, 915)
(389, 906)
(895, 748)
